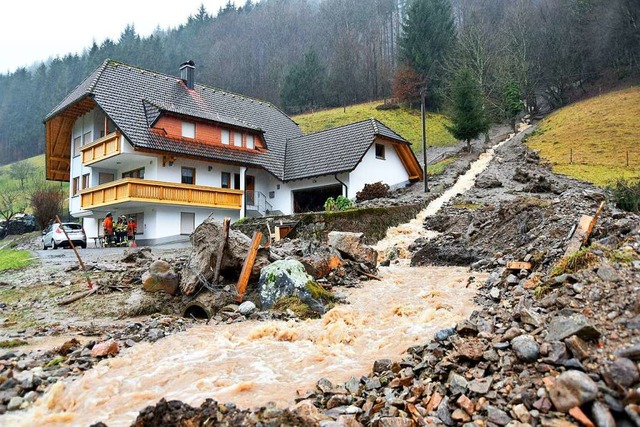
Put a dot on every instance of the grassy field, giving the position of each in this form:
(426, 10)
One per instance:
(404, 121)
(590, 140)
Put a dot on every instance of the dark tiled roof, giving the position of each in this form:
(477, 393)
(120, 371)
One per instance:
(132, 97)
(333, 150)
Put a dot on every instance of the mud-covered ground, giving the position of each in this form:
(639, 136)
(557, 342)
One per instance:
(553, 344)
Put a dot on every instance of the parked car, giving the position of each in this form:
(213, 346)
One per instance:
(18, 224)
(53, 237)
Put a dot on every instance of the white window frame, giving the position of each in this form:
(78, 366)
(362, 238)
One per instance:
(188, 130)
(224, 137)
(237, 139)
(251, 144)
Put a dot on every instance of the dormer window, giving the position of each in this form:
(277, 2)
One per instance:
(237, 139)
(225, 137)
(188, 130)
(250, 142)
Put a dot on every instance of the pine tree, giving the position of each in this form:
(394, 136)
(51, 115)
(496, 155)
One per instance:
(513, 104)
(468, 116)
(304, 85)
(428, 36)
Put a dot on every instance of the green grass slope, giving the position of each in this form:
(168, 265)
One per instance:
(404, 121)
(601, 132)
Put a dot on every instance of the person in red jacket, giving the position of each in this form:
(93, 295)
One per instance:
(107, 226)
(132, 227)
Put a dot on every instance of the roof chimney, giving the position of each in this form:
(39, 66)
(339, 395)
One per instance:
(188, 73)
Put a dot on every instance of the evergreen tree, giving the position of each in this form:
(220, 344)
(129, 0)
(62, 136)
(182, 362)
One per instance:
(513, 104)
(468, 116)
(428, 36)
(304, 85)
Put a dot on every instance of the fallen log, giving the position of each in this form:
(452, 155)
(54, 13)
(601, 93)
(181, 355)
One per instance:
(79, 296)
(223, 243)
(369, 275)
(583, 231)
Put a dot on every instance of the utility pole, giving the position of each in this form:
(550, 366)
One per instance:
(423, 94)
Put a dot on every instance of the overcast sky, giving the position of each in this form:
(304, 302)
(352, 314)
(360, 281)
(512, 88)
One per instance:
(35, 30)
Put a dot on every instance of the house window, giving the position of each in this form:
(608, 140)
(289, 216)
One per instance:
(236, 181)
(379, 151)
(188, 175)
(250, 142)
(85, 180)
(103, 178)
(86, 138)
(77, 143)
(237, 139)
(225, 180)
(225, 137)
(136, 173)
(188, 130)
(75, 188)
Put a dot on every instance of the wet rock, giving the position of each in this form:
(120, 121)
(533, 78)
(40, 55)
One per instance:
(284, 279)
(457, 383)
(324, 385)
(382, 365)
(68, 346)
(602, 416)
(319, 265)
(160, 278)
(246, 308)
(480, 386)
(623, 372)
(572, 388)
(632, 352)
(561, 327)
(494, 293)
(443, 334)
(526, 348)
(522, 414)
(105, 348)
(14, 403)
(556, 353)
(608, 274)
(306, 410)
(530, 317)
(497, 416)
(444, 413)
(394, 422)
(577, 346)
(352, 246)
(205, 241)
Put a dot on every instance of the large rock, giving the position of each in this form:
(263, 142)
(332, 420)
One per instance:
(288, 278)
(319, 265)
(572, 388)
(160, 278)
(561, 327)
(105, 348)
(205, 241)
(526, 348)
(351, 245)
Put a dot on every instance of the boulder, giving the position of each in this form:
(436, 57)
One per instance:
(352, 246)
(572, 388)
(526, 348)
(246, 308)
(287, 278)
(319, 265)
(202, 263)
(105, 348)
(160, 277)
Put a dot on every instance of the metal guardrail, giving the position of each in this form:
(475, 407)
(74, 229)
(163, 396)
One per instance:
(257, 201)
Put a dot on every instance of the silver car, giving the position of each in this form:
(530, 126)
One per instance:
(53, 237)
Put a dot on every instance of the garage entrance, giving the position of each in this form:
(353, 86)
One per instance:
(312, 199)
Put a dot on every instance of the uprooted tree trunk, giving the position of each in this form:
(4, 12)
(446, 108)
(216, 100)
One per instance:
(202, 263)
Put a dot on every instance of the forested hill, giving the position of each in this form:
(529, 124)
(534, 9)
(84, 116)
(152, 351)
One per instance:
(308, 54)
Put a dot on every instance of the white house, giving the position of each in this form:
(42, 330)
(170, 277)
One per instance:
(171, 152)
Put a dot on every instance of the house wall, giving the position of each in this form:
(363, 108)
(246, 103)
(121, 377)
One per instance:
(85, 123)
(391, 171)
(284, 197)
(205, 133)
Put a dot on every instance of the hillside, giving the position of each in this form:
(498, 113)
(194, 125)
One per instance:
(600, 132)
(404, 121)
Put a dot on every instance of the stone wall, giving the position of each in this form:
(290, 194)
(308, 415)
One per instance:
(373, 222)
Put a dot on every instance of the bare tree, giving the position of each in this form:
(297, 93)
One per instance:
(21, 171)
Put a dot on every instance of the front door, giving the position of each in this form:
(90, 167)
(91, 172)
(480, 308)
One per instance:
(187, 222)
(249, 187)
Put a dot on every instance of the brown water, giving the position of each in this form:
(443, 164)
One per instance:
(252, 363)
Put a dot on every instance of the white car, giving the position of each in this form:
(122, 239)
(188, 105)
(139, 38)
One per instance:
(53, 237)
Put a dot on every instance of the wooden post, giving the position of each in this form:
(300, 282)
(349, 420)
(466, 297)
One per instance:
(84, 269)
(248, 265)
(627, 158)
(571, 156)
(225, 236)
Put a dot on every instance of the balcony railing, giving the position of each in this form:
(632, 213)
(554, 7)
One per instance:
(100, 149)
(141, 190)
(257, 201)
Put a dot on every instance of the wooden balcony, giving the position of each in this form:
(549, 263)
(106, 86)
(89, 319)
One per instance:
(155, 192)
(100, 149)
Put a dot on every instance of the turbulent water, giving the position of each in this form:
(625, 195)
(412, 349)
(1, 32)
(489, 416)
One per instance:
(252, 363)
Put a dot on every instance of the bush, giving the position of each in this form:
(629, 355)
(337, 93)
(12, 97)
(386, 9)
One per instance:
(372, 191)
(340, 203)
(626, 195)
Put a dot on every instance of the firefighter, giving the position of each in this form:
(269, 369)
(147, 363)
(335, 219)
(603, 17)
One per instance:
(121, 230)
(132, 227)
(107, 226)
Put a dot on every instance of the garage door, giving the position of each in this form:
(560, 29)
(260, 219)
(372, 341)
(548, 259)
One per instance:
(312, 199)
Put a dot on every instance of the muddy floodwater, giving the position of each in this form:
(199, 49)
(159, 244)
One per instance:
(252, 363)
